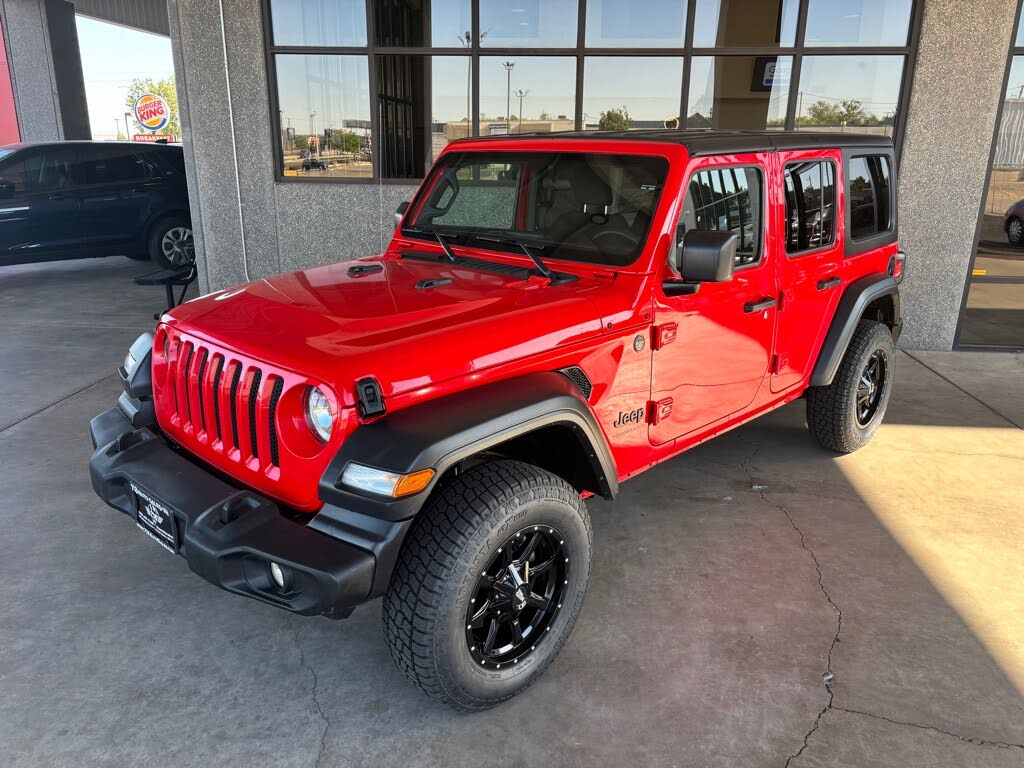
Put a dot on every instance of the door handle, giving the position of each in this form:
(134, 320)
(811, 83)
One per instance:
(832, 282)
(57, 196)
(758, 306)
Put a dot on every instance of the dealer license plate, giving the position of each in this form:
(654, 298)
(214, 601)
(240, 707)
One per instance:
(155, 520)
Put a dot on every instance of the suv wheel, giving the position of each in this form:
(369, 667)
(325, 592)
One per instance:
(489, 583)
(171, 244)
(844, 415)
(1015, 231)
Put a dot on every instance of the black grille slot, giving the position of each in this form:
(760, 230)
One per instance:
(216, 395)
(188, 395)
(202, 374)
(576, 375)
(275, 395)
(254, 391)
(234, 404)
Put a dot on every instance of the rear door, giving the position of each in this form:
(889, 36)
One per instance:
(114, 197)
(810, 263)
(38, 209)
(712, 347)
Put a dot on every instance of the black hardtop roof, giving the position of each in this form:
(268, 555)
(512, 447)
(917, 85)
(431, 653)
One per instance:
(701, 141)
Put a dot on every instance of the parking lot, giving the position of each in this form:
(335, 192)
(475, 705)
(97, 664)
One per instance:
(753, 602)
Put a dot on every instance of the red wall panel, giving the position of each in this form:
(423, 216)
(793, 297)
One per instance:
(8, 116)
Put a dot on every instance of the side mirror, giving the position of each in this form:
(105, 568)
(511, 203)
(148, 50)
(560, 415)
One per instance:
(707, 256)
(400, 212)
(7, 189)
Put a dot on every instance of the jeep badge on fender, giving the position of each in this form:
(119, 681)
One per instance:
(424, 425)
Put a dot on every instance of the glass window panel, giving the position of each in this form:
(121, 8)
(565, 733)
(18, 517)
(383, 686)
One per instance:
(858, 22)
(743, 92)
(869, 196)
(451, 105)
(318, 22)
(849, 93)
(1020, 34)
(528, 23)
(620, 24)
(725, 199)
(810, 205)
(744, 22)
(105, 165)
(442, 23)
(1002, 223)
(537, 92)
(13, 177)
(325, 115)
(994, 315)
(622, 92)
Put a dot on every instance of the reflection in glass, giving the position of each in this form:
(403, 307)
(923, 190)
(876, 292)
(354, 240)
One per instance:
(849, 93)
(745, 92)
(744, 22)
(810, 205)
(626, 92)
(538, 93)
(452, 104)
(318, 22)
(442, 23)
(858, 22)
(324, 106)
(528, 23)
(994, 315)
(726, 199)
(620, 24)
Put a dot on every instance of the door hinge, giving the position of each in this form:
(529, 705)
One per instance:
(659, 410)
(779, 362)
(785, 297)
(664, 334)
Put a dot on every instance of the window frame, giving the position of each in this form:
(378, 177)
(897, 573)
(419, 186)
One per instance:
(580, 52)
(856, 246)
(835, 208)
(762, 174)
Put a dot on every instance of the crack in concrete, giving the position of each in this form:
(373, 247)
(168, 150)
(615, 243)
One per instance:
(969, 739)
(315, 697)
(828, 677)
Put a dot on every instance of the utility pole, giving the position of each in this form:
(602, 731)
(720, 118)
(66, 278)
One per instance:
(127, 130)
(312, 131)
(508, 65)
(521, 93)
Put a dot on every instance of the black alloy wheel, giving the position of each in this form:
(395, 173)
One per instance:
(517, 597)
(870, 387)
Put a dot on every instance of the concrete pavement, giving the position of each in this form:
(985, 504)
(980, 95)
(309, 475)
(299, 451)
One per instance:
(859, 611)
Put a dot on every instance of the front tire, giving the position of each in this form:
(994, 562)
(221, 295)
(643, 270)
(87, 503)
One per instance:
(489, 584)
(171, 243)
(1015, 231)
(845, 415)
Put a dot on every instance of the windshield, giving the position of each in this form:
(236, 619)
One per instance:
(593, 208)
(5, 152)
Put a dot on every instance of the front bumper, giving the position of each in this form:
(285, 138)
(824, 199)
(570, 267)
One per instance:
(229, 536)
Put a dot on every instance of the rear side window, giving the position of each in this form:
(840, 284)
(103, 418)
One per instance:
(107, 166)
(726, 199)
(869, 196)
(810, 205)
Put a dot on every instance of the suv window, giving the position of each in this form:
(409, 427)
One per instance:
(48, 169)
(106, 166)
(12, 177)
(810, 205)
(869, 196)
(726, 199)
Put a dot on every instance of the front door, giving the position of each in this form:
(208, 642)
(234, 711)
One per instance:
(712, 348)
(114, 193)
(810, 262)
(38, 209)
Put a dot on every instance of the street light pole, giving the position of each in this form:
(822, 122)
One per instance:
(521, 93)
(127, 130)
(508, 65)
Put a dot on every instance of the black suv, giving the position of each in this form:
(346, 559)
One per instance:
(79, 199)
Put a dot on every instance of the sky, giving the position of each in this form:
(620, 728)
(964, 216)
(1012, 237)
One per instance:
(113, 56)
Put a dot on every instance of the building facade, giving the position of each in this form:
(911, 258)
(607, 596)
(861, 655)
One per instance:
(306, 122)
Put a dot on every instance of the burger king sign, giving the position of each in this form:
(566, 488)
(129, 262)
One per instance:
(152, 112)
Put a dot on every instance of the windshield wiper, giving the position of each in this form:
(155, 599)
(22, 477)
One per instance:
(437, 236)
(510, 240)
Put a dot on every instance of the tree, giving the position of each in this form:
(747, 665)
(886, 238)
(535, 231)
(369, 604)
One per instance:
(164, 88)
(545, 116)
(614, 120)
(848, 112)
(347, 141)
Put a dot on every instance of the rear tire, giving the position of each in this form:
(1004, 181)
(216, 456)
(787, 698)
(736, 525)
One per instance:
(845, 415)
(1015, 231)
(452, 580)
(171, 243)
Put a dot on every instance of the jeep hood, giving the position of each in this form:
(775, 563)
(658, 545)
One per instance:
(336, 325)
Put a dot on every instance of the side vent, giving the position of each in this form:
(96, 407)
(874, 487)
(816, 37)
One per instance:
(576, 375)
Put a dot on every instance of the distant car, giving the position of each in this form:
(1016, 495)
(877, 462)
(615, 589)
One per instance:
(313, 164)
(1013, 225)
(80, 199)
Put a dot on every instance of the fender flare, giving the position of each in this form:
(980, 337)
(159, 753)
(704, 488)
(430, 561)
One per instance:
(438, 434)
(856, 298)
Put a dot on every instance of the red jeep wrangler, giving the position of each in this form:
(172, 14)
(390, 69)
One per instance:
(553, 315)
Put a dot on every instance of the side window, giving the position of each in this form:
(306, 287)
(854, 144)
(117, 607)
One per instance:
(48, 170)
(726, 199)
(869, 196)
(810, 205)
(107, 166)
(12, 177)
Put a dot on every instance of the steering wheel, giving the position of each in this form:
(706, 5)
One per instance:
(631, 240)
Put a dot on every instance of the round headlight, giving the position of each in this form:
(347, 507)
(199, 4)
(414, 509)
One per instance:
(318, 414)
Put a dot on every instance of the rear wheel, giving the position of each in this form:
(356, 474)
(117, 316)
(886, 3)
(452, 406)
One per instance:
(171, 244)
(489, 584)
(844, 415)
(1015, 231)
